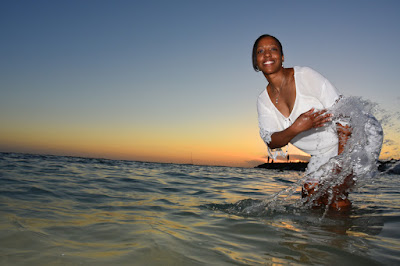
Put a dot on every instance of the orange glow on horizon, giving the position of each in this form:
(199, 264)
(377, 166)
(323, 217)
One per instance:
(223, 145)
(132, 144)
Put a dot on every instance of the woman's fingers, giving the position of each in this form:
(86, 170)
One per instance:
(343, 130)
(309, 112)
(321, 113)
(312, 119)
(320, 118)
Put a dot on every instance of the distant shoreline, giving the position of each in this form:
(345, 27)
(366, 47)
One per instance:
(301, 166)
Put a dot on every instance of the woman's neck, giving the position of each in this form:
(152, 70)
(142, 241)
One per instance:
(275, 80)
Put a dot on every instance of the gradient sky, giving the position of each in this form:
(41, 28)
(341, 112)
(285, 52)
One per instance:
(172, 81)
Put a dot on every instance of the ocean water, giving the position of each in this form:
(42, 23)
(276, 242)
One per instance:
(58, 210)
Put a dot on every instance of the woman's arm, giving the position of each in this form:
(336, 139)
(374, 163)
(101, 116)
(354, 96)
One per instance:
(304, 122)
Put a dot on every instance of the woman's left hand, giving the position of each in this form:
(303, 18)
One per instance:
(344, 133)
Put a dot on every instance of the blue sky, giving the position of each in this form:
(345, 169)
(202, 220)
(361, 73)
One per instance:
(177, 70)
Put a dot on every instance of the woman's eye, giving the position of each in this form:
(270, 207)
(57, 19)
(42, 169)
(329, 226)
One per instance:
(274, 49)
(260, 51)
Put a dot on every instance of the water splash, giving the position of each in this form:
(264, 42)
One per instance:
(364, 146)
(357, 164)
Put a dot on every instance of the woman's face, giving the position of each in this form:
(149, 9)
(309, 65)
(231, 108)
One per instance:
(269, 56)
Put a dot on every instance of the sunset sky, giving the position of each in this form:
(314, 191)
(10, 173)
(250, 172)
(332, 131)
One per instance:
(172, 81)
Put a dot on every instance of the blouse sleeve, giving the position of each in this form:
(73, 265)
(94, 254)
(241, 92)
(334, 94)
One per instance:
(328, 95)
(322, 88)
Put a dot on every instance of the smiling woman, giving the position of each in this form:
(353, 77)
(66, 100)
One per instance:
(292, 109)
(267, 44)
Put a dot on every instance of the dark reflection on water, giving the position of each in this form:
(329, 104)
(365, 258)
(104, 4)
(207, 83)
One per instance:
(68, 211)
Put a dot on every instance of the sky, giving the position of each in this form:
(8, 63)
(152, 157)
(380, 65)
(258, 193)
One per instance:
(172, 81)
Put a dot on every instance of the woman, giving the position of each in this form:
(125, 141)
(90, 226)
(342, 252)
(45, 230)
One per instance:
(293, 109)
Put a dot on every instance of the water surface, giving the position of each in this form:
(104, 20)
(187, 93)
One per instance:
(66, 211)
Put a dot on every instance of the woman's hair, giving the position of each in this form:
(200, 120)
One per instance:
(254, 54)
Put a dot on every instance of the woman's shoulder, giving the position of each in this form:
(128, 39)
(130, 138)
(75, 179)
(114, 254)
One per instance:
(262, 97)
(307, 74)
(305, 70)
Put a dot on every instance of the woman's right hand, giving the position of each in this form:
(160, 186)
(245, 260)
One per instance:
(304, 122)
(311, 119)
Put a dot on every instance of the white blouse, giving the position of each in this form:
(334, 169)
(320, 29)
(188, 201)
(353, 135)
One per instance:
(312, 91)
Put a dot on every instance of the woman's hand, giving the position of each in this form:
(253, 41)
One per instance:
(304, 122)
(344, 132)
(311, 119)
